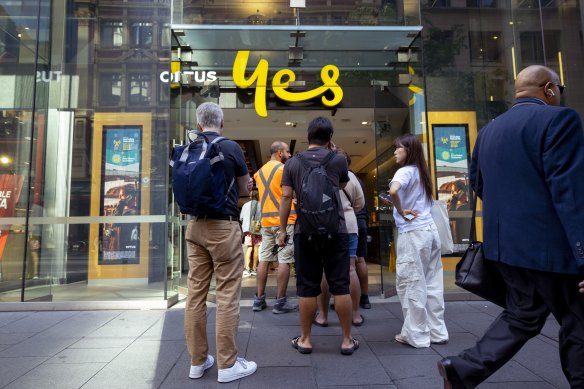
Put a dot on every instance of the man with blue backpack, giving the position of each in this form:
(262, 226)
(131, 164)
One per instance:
(320, 235)
(209, 174)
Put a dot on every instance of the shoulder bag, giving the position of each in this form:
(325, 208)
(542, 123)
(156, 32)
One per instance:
(477, 274)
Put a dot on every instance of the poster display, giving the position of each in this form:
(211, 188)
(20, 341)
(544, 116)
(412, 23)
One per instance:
(10, 188)
(120, 194)
(452, 154)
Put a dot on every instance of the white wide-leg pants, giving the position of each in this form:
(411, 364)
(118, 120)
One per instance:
(420, 286)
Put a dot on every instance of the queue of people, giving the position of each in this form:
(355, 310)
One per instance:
(309, 210)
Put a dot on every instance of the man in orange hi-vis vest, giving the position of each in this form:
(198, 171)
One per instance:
(269, 182)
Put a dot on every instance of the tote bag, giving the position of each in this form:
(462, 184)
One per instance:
(440, 216)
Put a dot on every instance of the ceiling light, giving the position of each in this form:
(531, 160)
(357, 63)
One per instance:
(364, 123)
(4, 160)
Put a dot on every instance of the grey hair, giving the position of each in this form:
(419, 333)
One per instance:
(209, 115)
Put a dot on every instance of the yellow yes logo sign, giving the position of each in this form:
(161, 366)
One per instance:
(329, 76)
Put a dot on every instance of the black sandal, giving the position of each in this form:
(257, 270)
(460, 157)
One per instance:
(350, 350)
(301, 350)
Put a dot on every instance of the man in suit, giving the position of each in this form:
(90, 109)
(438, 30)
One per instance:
(531, 181)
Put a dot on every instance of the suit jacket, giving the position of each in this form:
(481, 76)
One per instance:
(531, 161)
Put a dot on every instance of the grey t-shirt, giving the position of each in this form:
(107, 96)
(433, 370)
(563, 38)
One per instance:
(336, 170)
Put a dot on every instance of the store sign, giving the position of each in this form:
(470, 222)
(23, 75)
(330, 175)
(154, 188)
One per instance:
(281, 81)
(48, 76)
(174, 77)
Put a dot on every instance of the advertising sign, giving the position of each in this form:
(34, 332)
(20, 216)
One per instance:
(120, 242)
(10, 188)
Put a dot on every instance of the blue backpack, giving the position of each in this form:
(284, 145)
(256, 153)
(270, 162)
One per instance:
(198, 177)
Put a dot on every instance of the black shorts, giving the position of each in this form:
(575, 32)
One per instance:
(362, 243)
(311, 257)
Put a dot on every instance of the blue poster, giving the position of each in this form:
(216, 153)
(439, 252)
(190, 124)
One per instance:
(450, 143)
(120, 242)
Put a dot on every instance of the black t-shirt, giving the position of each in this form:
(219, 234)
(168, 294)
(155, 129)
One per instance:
(235, 166)
(336, 170)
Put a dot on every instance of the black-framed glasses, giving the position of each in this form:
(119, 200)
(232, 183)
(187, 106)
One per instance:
(560, 87)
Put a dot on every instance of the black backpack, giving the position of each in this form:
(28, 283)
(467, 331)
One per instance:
(198, 177)
(318, 208)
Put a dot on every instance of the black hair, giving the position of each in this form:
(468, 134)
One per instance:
(320, 131)
(415, 156)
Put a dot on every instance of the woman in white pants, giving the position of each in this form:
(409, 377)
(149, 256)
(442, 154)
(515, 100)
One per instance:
(420, 285)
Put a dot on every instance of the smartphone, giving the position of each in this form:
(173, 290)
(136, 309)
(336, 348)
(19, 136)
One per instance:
(385, 197)
(409, 216)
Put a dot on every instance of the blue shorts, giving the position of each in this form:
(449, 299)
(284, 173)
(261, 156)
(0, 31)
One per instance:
(353, 240)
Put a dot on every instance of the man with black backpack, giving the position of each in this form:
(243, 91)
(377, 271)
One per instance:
(213, 240)
(320, 235)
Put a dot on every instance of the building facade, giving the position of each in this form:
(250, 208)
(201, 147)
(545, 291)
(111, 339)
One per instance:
(94, 94)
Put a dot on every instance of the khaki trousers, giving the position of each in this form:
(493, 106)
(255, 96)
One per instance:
(213, 246)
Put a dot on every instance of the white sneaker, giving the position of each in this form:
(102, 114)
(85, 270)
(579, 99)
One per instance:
(246, 273)
(241, 368)
(198, 370)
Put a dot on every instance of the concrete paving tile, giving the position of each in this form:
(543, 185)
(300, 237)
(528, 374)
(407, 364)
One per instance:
(79, 325)
(8, 317)
(332, 369)
(13, 368)
(380, 330)
(37, 346)
(486, 307)
(105, 342)
(169, 327)
(4, 346)
(452, 326)
(551, 329)
(461, 307)
(36, 322)
(393, 348)
(281, 378)
(47, 376)
(360, 387)
(99, 355)
(15, 337)
(513, 372)
(128, 324)
(517, 385)
(418, 383)
(543, 360)
(402, 368)
(456, 343)
(178, 377)
(475, 322)
(279, 352)
(144, 364)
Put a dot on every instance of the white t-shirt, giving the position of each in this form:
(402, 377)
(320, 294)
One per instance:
(411, 194)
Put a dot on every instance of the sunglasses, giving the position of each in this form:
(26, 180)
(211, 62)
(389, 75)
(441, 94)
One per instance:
(560, 87)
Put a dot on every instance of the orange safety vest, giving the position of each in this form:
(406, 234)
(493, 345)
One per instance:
(269, 182)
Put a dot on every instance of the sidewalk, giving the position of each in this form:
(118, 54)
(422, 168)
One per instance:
(146, 349)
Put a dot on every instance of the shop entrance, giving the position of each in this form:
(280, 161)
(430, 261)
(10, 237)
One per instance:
(379, 71)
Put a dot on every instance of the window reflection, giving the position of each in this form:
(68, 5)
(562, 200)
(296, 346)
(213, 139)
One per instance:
(111, 34)
(110, 89)
(139, 89)
(141, 35)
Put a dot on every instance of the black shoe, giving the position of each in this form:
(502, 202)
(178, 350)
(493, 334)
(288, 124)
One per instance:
(451, 378)
(364, 302)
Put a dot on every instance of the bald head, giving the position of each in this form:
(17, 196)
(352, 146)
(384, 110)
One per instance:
(539, 82)
(280, 151)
